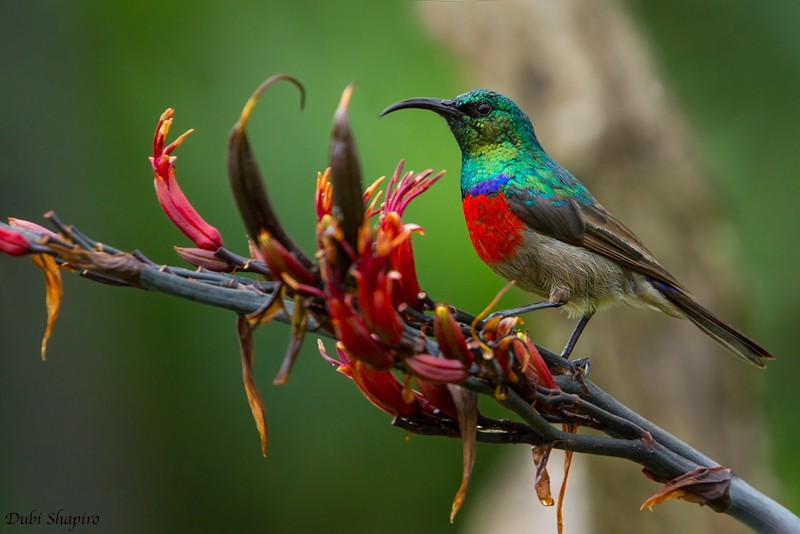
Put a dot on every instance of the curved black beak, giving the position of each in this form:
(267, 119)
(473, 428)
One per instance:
(445, 108)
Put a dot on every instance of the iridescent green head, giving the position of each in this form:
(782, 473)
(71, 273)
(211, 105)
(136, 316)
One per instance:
(480, 120)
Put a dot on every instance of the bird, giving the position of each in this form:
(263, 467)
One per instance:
(531, 221)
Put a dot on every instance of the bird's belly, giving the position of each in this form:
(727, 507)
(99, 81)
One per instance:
(543, 264)
(540, 264)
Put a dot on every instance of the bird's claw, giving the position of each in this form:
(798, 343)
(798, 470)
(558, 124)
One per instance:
(580, 370)
(582, 366)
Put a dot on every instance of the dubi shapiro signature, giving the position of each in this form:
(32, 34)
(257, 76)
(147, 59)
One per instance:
(58, 517)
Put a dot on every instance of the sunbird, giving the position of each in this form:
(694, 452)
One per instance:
(533, 222)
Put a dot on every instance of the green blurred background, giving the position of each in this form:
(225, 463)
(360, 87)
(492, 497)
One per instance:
(139, 414)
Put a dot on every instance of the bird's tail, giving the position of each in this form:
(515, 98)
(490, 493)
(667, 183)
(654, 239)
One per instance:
(723, 333)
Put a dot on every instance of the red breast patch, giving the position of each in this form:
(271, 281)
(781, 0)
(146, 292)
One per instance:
(495, 230)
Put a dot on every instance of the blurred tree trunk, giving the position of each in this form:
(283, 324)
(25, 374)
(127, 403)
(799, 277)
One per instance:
(582, 71)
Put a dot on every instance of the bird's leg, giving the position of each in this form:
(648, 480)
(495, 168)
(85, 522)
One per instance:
(576, 333)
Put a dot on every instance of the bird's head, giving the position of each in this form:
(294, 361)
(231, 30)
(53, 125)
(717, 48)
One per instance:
(481, 120)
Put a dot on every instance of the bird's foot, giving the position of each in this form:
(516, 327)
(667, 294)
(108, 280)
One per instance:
(577, 369)
(581, 367)
(580, 370)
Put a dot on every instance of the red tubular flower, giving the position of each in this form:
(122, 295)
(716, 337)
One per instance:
(399, 192)
(395, 237)
(14, 243)
(373, 288)
(355, 335)
(170, 196)
(437, 397)
(384, 390)
(381, 387)
(436, 369)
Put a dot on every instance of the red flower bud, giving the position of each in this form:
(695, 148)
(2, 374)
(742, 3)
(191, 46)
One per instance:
(13, 243)
(32, 226)
(281, 262)
(200, 257)
(537, 369)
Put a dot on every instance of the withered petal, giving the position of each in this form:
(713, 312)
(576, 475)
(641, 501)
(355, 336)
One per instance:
(298, 332)
(466, 403)
(53, 293)
(245, 331)
(703, 485)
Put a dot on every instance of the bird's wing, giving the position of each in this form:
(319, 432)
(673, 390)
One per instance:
(589, 226)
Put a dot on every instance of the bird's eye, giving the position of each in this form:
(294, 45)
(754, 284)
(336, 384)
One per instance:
(483, 108)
